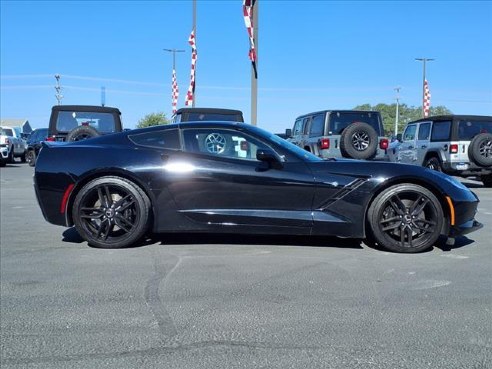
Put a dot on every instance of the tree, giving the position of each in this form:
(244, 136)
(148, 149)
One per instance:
(406, 114)
(153, 119)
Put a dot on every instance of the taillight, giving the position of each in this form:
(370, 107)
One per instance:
(51, 138)
(383, 143)
(324, 143)
(453, 149)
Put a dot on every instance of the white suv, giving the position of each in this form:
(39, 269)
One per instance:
(459, 145)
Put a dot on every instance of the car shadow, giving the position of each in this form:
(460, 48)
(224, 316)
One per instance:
(459, 242)
(72, 236)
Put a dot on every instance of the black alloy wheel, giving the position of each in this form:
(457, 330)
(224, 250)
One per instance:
(359, 141)
(480, 149)
(406, 218)
(111, 212)
(31, 158)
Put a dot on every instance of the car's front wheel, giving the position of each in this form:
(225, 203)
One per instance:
(111, 212)
(433, 163)
(406, 218)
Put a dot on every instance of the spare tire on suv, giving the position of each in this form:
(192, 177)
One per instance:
(81, 133)
(359, 141)
(480, 149)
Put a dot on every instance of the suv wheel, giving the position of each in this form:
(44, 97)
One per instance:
(433, 163)
(487, 180)
(480, 149)
(359, 141)
(31, 158)
(81, 133)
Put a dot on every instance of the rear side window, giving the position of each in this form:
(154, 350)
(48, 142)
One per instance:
(409, 134)
(317, 125)
(424, 131)
(165, 139)
(441, 131)
(467, 129)
(68, 120)
(341, 120)
(298, 127)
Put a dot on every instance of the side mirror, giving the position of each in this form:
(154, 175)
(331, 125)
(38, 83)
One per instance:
(269, 157)
(288, 132)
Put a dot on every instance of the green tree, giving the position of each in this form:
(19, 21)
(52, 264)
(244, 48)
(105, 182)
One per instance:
(153, 119)
(406, 114)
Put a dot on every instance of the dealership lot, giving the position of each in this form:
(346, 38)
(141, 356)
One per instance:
(195, 301)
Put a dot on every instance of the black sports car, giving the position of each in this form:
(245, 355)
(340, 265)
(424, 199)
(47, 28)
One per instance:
(234, 177)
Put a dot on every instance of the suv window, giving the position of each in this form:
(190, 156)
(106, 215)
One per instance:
(298, 127)
(424, 131)
(441, 131)
(467, 129)
(341, 120)
(409, 134)
(68, 120)
(317, 125)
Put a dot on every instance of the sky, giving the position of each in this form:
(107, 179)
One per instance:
(312, 55)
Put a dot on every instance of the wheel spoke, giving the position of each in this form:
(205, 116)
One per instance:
(124, 203)
(419, 205)
(104, 229)
(123, 223)
(397, 205)
(91, 213)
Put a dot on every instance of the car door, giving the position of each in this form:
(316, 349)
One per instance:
(423, 142)
(226, 185)
(407, 149)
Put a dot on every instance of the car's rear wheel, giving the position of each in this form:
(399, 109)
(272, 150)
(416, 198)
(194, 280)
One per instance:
(11, 158)
(433, 163)
(406, 218)
(480, 149)
(111, 212)
(359, 141)
(31, 158)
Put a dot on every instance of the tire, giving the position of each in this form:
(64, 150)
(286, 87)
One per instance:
(31, 158)
(359, 141)
(11, 158)
(81, 133)
(405, 218)
(111, 212)
(487, 180)
(480, 150)
(433, 163)
(23, 157)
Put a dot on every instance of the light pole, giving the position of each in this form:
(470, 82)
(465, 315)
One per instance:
(397, 89)
(424, 60)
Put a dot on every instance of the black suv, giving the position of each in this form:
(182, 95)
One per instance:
(459, 145)
(209, 114)
(34, 144)
(78, 122)
(353, 134)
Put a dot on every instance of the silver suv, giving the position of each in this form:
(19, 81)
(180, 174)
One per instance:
(459, 145)
(341, 133)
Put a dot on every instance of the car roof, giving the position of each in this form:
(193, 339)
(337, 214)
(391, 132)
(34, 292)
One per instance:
(338, 111)
(93, 108)
(209, 110)
(439, 118)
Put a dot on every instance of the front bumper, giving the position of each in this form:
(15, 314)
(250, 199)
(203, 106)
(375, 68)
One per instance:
(465, 228)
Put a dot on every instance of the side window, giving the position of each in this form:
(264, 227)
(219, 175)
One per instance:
(424, 131)
(441, 131)
(317, 126)
(409, 134)
(297, 127)
(222, 143)
(164, 139)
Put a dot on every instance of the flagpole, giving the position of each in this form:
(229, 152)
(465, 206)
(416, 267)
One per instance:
(174, 51)
(254, 68)
(194, 30)
(424, 60)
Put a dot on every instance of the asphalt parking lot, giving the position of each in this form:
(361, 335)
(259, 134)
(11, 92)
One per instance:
(194, 301)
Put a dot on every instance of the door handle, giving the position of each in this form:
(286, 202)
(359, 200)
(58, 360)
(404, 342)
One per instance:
(410, 147)
(423, 147)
